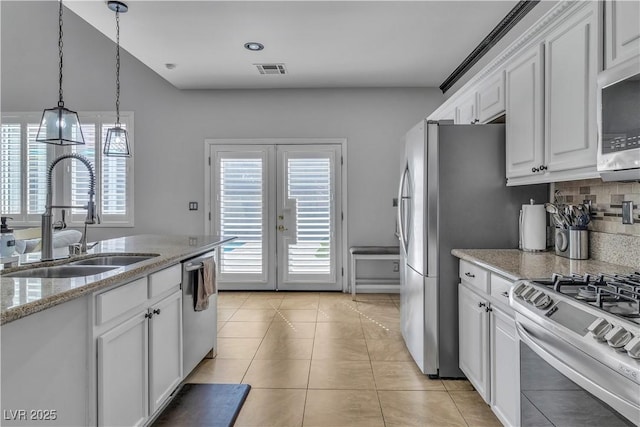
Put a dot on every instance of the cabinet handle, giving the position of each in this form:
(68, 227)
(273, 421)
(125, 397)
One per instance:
(148, 315)
(534, 170)
(482, 304)
(488, 309)
(469, 275)
(505, 294)
(543, 168)
(156, 311)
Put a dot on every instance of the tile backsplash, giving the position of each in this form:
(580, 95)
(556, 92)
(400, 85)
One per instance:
(609, 240)
(606, 203)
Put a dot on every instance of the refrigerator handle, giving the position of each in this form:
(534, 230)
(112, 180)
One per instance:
(401, 202)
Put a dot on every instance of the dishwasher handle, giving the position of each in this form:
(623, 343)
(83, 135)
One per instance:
(193, 266)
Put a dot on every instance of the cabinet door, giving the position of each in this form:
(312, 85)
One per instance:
(466, 110)
(505, 368)
(570, 105)
(524, 107)
(165, 344)
(122, 373)
(474, 339)
(621, 31)
(491, 98)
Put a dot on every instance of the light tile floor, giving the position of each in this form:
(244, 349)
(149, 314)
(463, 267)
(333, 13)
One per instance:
(321, 359)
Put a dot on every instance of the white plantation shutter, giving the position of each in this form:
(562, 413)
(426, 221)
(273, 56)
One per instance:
(10, 169)
(114, 180)
(309, 183)
(242, 214)
(24, 163)
(37, 163)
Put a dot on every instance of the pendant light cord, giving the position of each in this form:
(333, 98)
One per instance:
(118, 66)
(60, 100)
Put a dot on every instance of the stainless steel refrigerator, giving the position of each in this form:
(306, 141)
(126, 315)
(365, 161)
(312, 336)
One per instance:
(453, 194)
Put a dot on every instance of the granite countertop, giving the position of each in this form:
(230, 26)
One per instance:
(516, 264)
(21, 297)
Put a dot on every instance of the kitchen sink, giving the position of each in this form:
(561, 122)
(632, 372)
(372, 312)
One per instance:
(62, 271)
(118, 260)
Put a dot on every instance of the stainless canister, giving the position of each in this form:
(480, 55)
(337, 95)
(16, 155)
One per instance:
(572, 243)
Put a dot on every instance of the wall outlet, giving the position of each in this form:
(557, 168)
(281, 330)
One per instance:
(627, 212)
(193, 206)
(395, 202)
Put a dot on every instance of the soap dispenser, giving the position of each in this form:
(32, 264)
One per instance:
(7, 240)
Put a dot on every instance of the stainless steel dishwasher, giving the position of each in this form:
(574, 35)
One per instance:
(199, 328)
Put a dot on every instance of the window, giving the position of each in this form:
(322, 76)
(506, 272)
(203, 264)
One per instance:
(23, 169)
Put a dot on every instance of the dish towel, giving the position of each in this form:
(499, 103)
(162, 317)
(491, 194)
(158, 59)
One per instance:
(206, 284)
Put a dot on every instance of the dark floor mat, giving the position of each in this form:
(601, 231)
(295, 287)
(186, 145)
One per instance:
(210, 405)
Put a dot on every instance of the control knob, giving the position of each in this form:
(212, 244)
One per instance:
(618, 337)
(542, 301)
(599, 328)
(522, 287)
(633, 348)
(527, 293)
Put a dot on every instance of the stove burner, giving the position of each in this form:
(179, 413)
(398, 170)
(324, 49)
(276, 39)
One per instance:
(617, 294)
(586, 293)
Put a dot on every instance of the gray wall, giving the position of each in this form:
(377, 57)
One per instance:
(171, 125)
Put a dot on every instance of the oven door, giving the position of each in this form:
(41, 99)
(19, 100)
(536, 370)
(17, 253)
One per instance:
(562, 386)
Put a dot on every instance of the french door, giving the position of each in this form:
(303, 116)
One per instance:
(283, 204)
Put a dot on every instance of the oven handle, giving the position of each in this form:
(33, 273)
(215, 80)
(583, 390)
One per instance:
(625, 397)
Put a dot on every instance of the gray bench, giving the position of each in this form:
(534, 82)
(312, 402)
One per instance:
(372, 253)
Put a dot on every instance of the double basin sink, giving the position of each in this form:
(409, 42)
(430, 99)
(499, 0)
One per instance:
(82, 267)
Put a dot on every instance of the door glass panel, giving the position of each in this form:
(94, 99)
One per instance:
(241, 215)
(309, 184)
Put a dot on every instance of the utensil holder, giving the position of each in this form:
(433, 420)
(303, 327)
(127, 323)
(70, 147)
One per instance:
(572, 243)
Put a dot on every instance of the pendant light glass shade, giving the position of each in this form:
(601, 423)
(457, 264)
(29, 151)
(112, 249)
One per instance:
(116, 143)
(59, 125)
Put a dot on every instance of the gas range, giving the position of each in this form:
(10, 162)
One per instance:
(617, 294)
(588, 327)
(604, 308)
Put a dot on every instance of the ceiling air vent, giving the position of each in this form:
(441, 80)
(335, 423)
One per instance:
(271, 68)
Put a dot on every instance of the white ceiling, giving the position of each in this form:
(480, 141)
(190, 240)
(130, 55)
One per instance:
(322, 43)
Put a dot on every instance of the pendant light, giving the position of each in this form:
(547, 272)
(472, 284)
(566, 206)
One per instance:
(59, 125)
(116, 143)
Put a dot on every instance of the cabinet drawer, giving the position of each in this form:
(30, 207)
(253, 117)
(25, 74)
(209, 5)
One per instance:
(164, 280)
(500, 288)
(475, 276)
(115, 302)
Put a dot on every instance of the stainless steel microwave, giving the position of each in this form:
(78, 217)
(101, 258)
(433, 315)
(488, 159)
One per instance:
(619, 122)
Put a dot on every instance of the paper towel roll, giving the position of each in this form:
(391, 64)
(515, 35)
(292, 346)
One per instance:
(534, 228)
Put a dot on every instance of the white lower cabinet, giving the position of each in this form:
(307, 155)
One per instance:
(505, 368)
(489, 352)
(139, 352)
(165, 345)
(122, 373)
(474, 339)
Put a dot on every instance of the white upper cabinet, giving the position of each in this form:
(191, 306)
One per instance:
(621, 31)
(570, 105)
(490, 98)
(524, 123)
(551, 103)
(466, 110)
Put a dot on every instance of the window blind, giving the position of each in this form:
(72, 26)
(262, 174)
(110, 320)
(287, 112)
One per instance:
(309, 182)
(241, 214)
(10, 169)
(36, 172)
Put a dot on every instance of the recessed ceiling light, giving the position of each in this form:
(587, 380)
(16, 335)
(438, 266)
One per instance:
(170, 66)
(255, 46)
